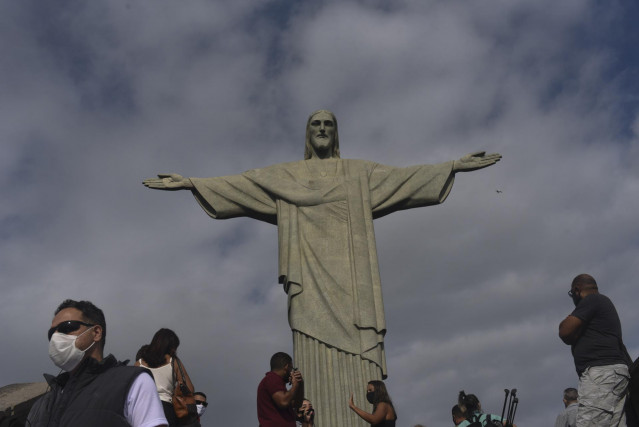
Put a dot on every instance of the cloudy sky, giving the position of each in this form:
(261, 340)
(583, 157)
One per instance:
(96, 96)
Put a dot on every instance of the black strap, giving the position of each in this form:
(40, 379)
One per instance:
(173, 371)
(180, 367)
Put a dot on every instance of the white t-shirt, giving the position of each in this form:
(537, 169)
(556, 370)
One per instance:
(143, 407)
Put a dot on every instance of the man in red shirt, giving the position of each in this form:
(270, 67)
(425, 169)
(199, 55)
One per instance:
(275, 404)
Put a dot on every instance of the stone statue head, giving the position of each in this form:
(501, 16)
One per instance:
(314, 142)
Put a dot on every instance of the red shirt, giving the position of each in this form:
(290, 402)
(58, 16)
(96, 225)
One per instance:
(268, 413)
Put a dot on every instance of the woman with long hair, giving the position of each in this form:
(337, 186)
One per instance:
(160, 357)
(384, 414)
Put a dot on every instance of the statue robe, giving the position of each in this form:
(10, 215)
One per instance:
(324, 211)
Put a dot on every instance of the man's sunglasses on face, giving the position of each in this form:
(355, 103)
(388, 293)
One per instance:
(67, 327)
(201, 402)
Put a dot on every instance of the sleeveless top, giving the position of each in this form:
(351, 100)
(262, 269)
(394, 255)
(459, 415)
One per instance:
(163, 377)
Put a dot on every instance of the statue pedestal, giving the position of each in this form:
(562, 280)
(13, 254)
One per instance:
(330, 376)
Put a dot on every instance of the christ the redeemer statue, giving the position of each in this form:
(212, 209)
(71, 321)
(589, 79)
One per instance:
(324, 208)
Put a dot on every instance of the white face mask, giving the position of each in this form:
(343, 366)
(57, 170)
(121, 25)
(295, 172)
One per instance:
(200, 410)
(63, 352)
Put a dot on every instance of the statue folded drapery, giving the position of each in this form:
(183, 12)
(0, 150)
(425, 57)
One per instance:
(327, 254)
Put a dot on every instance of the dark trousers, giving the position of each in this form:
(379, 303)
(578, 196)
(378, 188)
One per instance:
(169, 413)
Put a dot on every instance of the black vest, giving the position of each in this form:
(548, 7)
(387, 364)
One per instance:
(93, 396)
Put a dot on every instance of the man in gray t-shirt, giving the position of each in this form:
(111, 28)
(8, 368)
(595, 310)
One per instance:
(568, 418)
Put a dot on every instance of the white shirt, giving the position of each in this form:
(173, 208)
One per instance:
(143, 407)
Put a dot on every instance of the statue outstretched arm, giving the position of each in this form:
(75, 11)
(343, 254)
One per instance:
(169, 182)
(474, 161)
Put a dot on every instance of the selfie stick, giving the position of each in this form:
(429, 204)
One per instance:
(503, 411)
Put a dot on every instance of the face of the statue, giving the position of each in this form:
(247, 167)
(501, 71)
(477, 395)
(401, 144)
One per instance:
(322, 134)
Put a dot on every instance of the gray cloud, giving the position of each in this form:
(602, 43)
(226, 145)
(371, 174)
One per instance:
(98, 96)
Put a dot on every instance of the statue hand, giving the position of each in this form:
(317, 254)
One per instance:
(170, 181)
(474, 161)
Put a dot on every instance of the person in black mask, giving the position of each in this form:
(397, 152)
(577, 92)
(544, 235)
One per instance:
(384, 414)
(305, 414)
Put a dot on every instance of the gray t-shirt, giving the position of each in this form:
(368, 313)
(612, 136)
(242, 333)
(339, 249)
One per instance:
(568, 418)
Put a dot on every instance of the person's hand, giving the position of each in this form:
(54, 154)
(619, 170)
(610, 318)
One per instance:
(474, 161)
(168, 181)
(351, 404)
(296, 377)
(308, 413)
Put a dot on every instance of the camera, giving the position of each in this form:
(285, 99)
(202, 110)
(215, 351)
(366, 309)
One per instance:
(310, 413)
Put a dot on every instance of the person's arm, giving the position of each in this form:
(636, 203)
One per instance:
(376, 417)
(142, 407)
(293, 396)
(570, 329)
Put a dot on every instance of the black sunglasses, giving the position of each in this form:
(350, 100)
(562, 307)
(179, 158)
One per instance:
(201, 402)
(67, 327)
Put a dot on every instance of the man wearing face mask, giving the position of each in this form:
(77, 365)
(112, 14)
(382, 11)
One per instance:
(93, 390)
(305, 414)
(593, 331)
(200, 403)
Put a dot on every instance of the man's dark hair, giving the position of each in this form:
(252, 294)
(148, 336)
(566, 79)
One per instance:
(571, 394)
(585, 279)
(90, 313)
(457, 412)
(279, 360)
(140, 354)
(199, 393)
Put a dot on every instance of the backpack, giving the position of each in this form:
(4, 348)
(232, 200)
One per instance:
(476, 421)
